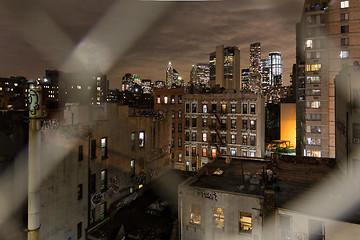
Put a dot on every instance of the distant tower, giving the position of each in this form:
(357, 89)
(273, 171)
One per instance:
(255, 68)
(225, 67)
(200, 74)
(169, 76)
(276, 69)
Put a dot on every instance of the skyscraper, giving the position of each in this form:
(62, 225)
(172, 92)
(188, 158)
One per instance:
(225, 67)
(172, 77)
(327, 40)
(200, 74)
(275, 69)
(255, 67)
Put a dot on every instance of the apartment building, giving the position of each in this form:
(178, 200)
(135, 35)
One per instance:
(327, 41)
(226, 124)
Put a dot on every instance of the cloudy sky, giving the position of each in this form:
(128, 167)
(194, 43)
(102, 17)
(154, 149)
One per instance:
(120, 36)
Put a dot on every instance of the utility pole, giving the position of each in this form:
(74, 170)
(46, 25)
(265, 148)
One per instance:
(34, 97)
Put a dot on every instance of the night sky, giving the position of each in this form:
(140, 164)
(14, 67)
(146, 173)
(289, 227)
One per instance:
(139, 36)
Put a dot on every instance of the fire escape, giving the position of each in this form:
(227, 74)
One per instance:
(218, 141)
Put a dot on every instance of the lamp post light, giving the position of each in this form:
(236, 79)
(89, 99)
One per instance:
(34, 98)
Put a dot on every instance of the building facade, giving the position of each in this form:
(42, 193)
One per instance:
(230, 124)
(327, 41)
(200, 75)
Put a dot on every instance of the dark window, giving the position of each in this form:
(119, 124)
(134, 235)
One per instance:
(79, 230)
(187, 136)
(223, 138)
(193, 122)
(317, 230)
(173, 114)
(213, 123)
(193, 109)
(133, 140)
(204, 122)
(213, 137)
(213, 108)
(187, 122)
(187, 107)
(244, 108)
(344, 16)
(345, 29)
(172, 128)
(244, 124)
(179, 142)
(179, 99)
(80, 191)
(252, 140)
(187, 150)
(104, 148)
(103, 179)
(344, 41)
(179, 113)
(93, 183)
(103, 210)
(81, 153)
(193, 136)
(179, 127)
(93, 149)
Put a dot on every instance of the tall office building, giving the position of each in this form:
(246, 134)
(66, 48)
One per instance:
(172, 77)
(245, 78)
(255, 67)
(200, 74)
(276, 69)
(225, 67)
(327, 40)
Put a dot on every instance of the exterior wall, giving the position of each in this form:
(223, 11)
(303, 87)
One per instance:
(300, 226)
(177, 133)
(288, 122)
(231, 203)
(115, 181)
(347, 115)
(195, 161)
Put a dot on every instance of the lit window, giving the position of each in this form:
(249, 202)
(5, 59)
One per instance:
(313, 79)
(233, 123)
(204, 107)
(219, 218)
(79, 87)
(158, 100)
(104, 148)
(204, 137)
(244, 139)
(187, 151)
(252, 153)
(141, 139)
(223, 108)
(252, 124)
(233, 108)
(245, 223)
(195, 214)
(98, 88)
(204, 122)
(233, 151)
(314, 141)
(165, 99)
(179, 99)
(314, 104)
(179, 113)
(193, 151)
(193, 136)
(179, 142)
(252, 108)
(132, 167)
(172, 99)
(213, 152)
(233, 139)
(344, 54)
(309, 43)
(204, 152)
(344, 4)
(180, 157)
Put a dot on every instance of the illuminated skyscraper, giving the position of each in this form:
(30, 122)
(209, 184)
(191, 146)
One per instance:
(255, 67)
(275, 69)
(200, 74)
(225, 67)
(172, 77)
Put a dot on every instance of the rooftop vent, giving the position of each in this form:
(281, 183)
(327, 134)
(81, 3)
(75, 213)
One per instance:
(218, 172)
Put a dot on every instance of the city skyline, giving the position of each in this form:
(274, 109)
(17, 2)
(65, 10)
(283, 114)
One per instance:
(40, 36)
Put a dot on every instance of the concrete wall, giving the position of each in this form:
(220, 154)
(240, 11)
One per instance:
(232, 203)
(300, 223)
